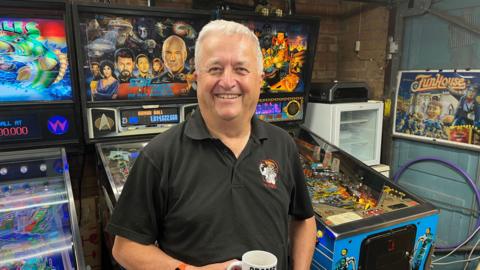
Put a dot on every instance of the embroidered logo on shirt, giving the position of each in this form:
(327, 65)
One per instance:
(269, 170)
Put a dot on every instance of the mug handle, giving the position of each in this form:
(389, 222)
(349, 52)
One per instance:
(235, 266)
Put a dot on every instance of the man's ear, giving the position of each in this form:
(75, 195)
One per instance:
(195, 75)
(262, 77)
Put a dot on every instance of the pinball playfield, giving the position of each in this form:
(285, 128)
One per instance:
(364, 220)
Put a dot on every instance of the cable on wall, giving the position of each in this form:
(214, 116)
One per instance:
(457, 169)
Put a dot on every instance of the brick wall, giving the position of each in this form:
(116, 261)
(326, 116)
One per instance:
(341, 24)
(326, 55)
(369, 25)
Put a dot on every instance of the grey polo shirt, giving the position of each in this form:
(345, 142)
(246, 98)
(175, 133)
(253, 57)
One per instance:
(189, 193)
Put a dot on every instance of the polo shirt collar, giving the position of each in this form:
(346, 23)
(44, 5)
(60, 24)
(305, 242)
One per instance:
(195, 128)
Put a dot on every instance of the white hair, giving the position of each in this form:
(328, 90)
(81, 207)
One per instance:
(228, 28)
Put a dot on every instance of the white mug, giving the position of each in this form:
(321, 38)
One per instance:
(255, 260)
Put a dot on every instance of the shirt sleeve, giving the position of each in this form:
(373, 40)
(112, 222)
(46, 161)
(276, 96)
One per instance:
(135, 216)
(300, 202)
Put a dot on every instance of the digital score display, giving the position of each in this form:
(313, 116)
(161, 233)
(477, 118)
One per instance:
(149, 117)
(268, 108)
(14, 128)
(280, 109)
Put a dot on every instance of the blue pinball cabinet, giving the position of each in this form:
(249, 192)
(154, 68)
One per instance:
(364, 220)
(38, 224)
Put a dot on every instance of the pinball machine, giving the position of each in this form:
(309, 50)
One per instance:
(364, 221)
(132, 87)
(38, 225)
(38, 128)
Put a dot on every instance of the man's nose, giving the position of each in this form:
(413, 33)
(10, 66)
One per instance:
(228, 79)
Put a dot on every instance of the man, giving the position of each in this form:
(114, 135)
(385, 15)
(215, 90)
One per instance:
(174, 55)
(95, 69)
(198, 197)
(467, 106)
(96, 77)
(124, 64)
(142, 30)
(143, 66)
(176, 74)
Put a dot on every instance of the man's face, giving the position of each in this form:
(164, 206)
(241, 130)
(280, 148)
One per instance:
(142, 32)
(143, 65)
(228, 79)
(125, 64)
(95, 70)
(125, 67)
(470, 93)
(122, 38)
(433, 111)
(174, 55)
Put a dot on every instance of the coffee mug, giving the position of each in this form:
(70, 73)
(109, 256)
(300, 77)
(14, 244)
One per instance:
(255, 260)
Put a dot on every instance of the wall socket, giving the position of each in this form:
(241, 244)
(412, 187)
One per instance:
(357, 46)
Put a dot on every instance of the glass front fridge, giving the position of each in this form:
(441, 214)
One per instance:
(354, 127)
(38, 224)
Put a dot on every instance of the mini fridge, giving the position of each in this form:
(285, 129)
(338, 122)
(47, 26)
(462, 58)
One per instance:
(354, 127)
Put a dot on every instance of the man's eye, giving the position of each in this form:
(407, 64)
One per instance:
(214, 70)
(242, 70)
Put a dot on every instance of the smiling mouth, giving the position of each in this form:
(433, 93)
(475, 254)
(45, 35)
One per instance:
(227, 96)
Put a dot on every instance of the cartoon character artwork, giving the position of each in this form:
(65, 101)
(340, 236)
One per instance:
(433, 126)
(421, 249)
(402, 117)
(33, 60)
(42, 65)
(345, 262)
(284, 48)
(467, 105)
(440, 105)
(269, 171)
